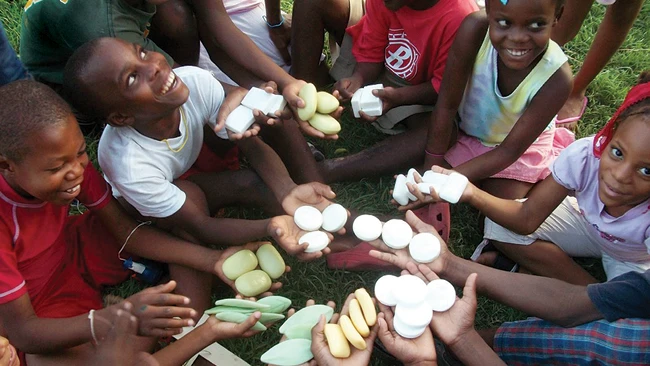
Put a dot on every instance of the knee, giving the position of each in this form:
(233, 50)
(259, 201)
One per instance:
(194, 194)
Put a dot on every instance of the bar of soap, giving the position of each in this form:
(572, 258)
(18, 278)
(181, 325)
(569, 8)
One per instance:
(410, 178)
(308, 218)
(356, 98)
(316, 240)
(416, 316)
(436, 179)
(410, 290)
(426, 188)
(253, 283)
(276, 103)
(424, 247)
(454, 187)
(369, 103)
(257, 98)
(441, 295)
(400, 191)
(384, 290)
(334, 218)
(396, 234)
(367, 227)
(240, 119)
(270, 260)
(239, 263)
(407, 331)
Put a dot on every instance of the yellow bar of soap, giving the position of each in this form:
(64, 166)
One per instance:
(336, 341)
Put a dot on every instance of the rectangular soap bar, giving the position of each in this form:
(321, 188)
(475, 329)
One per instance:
(276, 103)
(370, 104)
(239, 120)
(257, 98)
(454, 187)
(356, 98)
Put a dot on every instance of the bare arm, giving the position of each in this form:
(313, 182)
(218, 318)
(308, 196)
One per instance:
(546, 103)
(423, 93)
(364, 73)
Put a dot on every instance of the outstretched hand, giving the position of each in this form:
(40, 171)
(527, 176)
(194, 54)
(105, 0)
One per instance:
(217, 330)
(310, 194)
(416, 351)
(285, 232)
(120, 346)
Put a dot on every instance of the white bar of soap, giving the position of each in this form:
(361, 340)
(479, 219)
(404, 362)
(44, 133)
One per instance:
(334, 218)
(441, 295)
(410, 290)
(257, 98)
(367, 227)
(308, 218)
(400, 191)
(384, 290)
(416, 316)
(410, 178)
(436, 179)
(277, 103)
(396, 234)
(454, 187)
(356, 97)
(424, 248)
(240, 119)
(317, 241)
(369, 103)
(407, 331)
(426, 188)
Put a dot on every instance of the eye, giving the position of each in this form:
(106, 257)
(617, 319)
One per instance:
(55, 169)
(82, 152)
(130, 80)
(502, 23)
(645, 171)
(536, 25)
(143, 54)
(616, 153)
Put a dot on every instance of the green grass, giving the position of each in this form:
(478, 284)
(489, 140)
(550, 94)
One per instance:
(314, 280)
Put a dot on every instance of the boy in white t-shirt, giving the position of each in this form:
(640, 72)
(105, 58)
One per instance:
(156, 120)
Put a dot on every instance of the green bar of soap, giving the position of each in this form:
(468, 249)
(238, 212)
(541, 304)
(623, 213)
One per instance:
(238, 318)
(299, 331)
(243, 304)
(308, 316)
(291, 352)
(278, 304)
(253, 283)
(239, 263)
(270, 261)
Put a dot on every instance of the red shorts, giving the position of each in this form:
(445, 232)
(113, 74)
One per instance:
(90, 263)
(209, 162)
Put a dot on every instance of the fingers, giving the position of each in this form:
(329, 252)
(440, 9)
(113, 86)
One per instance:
(386, 257)
(346, 305)
(317, 334)
(247, 324)
(125, 323)
(469, 291)
(418, 224)
(323, 190)
(412, 269)
(427, 272)
(168, 316)
(165, 287)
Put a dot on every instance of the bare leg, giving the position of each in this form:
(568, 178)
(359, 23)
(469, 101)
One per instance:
(174, 29)
(290, 144)
(310, 21)
(394, 154)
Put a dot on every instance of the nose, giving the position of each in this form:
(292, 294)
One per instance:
(76, 170)
(623, 173)
(153, 67)
(518, 35)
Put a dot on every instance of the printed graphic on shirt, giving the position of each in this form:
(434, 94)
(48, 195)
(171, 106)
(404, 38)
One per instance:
(401, 55)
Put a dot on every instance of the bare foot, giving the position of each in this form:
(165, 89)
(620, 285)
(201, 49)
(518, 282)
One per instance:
(571, 109)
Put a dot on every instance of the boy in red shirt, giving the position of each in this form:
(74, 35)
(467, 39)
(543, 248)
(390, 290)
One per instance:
(52, 265)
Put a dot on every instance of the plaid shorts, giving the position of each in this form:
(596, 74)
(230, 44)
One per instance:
(537, 342)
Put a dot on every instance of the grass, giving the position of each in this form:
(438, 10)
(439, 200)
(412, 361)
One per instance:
(314, 280)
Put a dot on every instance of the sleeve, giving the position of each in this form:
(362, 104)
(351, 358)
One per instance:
(370, 35)
(446, 35)
(564, 167)
(12, 283)
(95, 192)
(210, 99)
(626, 296)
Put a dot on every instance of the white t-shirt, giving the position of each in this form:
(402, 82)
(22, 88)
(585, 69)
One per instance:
(142, 169)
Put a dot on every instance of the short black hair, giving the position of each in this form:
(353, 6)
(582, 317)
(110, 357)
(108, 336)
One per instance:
(27, 108)
(76, 89)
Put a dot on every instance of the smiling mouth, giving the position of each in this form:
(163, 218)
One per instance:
(73, 189)
(171, 81)
(517, 53)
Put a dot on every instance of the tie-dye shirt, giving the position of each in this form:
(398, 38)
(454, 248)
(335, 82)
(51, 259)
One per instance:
(484, 112)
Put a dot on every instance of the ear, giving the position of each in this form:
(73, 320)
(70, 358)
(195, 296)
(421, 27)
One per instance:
(558, 15)
(6, 166)
(117, 119)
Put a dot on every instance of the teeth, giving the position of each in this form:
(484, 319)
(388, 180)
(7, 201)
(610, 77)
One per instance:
(168, 83)
(517, 52)
(73, 189)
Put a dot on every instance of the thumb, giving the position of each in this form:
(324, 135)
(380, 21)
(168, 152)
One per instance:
(318, 334)
(247, 324)
(383, 333)
(418, 224)
(469, 291)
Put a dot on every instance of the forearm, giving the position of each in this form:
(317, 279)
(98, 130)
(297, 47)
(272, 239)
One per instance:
(183, 349)
(41, 335)
(221, 231)
(268, 165)
(235, 71)
(546, 298)
(441, 126)
(471, 350)
(368, 72)
(273, 11)
(488, 164)
(510, 214)
(416, 94)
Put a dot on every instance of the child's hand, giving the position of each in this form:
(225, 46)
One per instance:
(417, 351)
(347, 86)
(120, 346)
(310, 194)
(216, 330)
(8, 354)
(425, 199)
(308, 130)
(389, 97)
(160, 313)
(285, 232)
(453, 325)
(233, 99)
(226, 253)
(401, 257)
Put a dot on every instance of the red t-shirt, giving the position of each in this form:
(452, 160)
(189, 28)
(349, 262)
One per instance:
(29, 228)
(413, 44)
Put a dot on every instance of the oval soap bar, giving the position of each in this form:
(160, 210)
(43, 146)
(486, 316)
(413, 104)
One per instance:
(410, 290)
(326, 102)
(384, 290)
(308, 315)
(441, 295)
(308, 218)
(239, 263)
(316, 240)
(367, 227)
(325, 124)
(396, 234)
(253, 283)
(270, 260)
(334, 218)
(424, 247)
(308, 94)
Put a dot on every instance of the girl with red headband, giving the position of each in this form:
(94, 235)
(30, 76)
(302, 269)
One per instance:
(596, 202)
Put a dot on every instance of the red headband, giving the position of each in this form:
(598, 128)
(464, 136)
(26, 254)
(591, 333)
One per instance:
(604, 136)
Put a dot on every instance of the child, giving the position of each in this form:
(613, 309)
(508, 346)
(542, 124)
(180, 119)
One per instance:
(403, 45)
(506, 80)
(53, 265)
(154, 144)
(609, 217)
